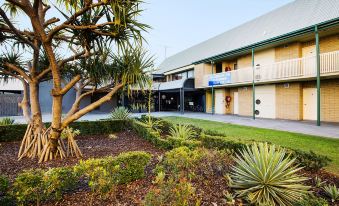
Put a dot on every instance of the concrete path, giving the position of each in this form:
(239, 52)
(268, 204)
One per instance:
(304, 127)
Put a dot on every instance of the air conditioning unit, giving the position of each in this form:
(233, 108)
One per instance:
(287, 85)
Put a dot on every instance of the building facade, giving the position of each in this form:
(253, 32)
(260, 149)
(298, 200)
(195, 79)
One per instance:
(282, 65)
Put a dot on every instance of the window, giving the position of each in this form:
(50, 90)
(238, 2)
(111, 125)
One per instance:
(218, 68)
(235, 66)
(190, 74)
(177, 76)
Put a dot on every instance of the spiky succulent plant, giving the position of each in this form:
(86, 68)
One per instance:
(120, 113)
(182, 131)
(266, 175)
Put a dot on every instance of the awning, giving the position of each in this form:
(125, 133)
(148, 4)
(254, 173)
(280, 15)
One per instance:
(177, 84)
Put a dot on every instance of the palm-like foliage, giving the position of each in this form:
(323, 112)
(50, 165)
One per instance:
(267, 176)
(182, 131)
(153, 124)
(130, 67)
(6, 121)
(332, 192)
(120, 113)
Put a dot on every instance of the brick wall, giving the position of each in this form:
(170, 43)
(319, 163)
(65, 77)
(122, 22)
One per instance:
(330, 100)
(245, 101)
(289, 101)
(288, 51)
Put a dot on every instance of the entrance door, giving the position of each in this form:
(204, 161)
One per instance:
(236, 103)
(220, 107)
(310, 103)
(265, 101)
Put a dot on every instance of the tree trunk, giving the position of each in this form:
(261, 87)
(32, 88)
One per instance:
(33, 140)
(24, 104)
(35, 108)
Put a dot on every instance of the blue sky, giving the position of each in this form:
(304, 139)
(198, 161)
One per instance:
(180, 24)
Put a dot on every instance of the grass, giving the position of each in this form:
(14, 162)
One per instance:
(320, 145)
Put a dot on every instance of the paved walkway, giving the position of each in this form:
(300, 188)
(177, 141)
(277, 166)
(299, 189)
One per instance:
(304, 127)
(325, 130)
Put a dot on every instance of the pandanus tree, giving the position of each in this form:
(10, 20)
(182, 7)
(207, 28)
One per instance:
(85, 28)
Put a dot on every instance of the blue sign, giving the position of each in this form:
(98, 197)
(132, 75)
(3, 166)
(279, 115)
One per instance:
(219, 79)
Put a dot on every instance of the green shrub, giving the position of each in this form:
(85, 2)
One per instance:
(172, 192)
(194, 164)
(311, 200)
(182, 131)
(58, 180)
(309, 160)
(218, 142)
(332, 192)
(34, 186)
(178, 160)
(5, 198)
(126, 167)
(4, 184)
(120, 113)
(28, 187)
(6, 121)
(15, 132)
(266, 175)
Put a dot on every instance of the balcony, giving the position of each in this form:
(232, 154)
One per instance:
(301, 68)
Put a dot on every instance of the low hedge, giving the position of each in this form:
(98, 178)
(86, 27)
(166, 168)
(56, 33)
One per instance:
(33, 186)
(157, 140)
(15, 132)
(308, 160)
(213, 140)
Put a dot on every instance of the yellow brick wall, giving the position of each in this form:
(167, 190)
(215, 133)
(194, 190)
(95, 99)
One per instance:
(289, 101)
(200, 71)
(245, 61)
(208, 102)
(327, 44)
(245, 101)
(329, 99)
(288, 51)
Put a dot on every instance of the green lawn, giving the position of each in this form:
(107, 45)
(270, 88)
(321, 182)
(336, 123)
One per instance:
(320, 145)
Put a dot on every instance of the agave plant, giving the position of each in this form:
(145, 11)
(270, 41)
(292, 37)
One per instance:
(120, 113)
(6, 121)
(318, 182)
(267, 176)
(332, 192)
(182, 131)
(153, 124)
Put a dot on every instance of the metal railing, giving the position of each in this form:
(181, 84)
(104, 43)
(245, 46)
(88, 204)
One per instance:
(289, 69)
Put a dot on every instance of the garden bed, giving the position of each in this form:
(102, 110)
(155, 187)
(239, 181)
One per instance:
(92, 146)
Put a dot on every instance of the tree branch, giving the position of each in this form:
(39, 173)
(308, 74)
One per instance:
(70, 84)
(90, 107)
(15, 31)
(17, 69)
(72, 18)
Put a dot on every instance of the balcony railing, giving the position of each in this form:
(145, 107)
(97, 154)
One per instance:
(290, 69)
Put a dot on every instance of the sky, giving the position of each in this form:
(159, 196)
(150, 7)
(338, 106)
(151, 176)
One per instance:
(180, 24)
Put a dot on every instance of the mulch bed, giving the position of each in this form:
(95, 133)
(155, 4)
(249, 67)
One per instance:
(210, 190)
(91, 147)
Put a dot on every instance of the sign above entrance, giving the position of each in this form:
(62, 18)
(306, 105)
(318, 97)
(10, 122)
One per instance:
(219, 79)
